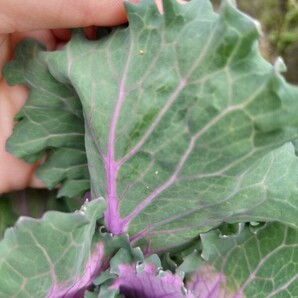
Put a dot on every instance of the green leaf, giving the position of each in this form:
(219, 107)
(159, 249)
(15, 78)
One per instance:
(51, 119)
(262, 263)
(58, 255)
(58, 167)
(184, 122)
(179, 110)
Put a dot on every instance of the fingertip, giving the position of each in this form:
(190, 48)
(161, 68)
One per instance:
(62, 34)
(103, 13)
(35, 182)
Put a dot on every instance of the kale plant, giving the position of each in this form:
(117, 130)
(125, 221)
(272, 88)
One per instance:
(185, 137)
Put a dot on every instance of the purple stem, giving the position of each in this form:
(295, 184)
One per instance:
(112, 216)
(114, 223)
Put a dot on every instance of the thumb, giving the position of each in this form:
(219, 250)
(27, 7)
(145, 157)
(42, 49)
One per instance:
(36, 14)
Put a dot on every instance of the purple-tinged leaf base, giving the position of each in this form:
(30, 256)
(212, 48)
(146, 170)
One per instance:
(80, 284)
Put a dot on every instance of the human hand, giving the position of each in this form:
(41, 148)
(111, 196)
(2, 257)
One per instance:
(34, 18)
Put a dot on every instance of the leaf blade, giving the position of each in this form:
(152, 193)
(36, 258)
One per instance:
(269, 260)
(175, 120)
(51, 119)
(52, 257)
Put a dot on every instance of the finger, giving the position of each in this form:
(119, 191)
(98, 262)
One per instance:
(62, 34)
(90, 32)
(36, 14)
(15, 173)
(5, 51)
(34, 181)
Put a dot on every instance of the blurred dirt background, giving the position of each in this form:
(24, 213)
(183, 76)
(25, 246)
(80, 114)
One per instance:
(279, 20)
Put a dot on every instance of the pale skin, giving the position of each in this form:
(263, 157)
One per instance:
(42, 20)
